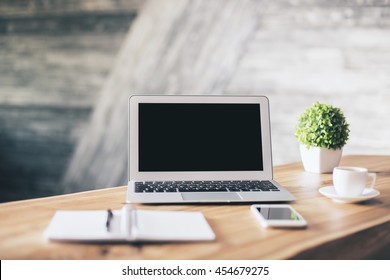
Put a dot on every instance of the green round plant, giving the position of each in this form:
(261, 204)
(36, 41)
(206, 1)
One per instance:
(322, 126)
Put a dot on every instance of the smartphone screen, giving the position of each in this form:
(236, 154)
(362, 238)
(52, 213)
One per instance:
(278, 213)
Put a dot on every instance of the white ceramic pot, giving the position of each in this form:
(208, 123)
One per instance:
(320, 160)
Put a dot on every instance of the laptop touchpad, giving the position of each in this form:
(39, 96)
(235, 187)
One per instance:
(211, 196)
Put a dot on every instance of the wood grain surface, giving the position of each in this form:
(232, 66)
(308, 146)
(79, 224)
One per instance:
(238, 235)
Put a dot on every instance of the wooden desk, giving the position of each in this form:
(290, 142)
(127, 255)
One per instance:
(346, 231)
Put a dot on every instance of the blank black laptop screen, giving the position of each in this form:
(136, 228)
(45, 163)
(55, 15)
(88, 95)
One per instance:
(177, 137)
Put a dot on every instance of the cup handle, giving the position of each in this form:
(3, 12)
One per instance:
(373, 177)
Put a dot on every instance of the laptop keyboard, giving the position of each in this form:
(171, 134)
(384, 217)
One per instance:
(205, 186)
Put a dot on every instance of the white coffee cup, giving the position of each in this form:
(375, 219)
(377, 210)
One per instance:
(351, 181)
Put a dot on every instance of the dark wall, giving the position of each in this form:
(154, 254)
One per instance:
(54, 57)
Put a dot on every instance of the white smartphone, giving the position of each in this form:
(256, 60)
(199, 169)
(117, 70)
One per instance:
(278, 215)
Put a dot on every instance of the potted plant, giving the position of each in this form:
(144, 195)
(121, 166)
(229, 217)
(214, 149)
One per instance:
(322, 132)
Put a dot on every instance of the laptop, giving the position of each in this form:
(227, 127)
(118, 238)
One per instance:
(201, 149)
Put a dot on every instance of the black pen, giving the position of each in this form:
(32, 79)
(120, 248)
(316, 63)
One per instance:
(109, 218)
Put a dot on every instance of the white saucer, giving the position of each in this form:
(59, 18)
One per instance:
(330, 192)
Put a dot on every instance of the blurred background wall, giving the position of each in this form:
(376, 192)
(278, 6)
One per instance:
(56, 58)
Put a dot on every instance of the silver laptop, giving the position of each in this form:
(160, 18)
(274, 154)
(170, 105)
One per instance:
(194, 149)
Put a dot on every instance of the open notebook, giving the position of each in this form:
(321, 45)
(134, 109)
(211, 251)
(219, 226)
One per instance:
(130, 225)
